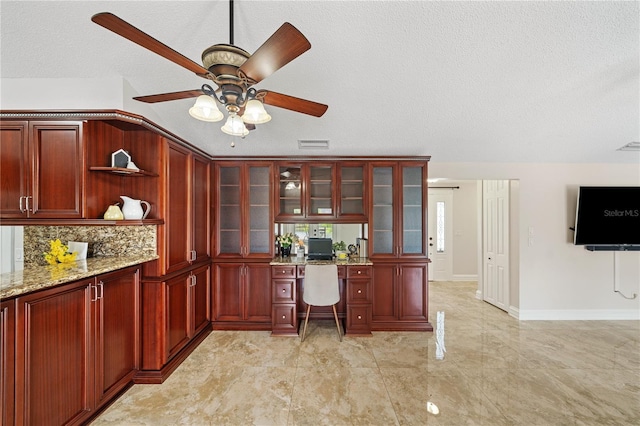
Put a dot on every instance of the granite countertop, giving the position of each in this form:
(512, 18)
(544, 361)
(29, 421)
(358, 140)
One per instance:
(34, 278)
(294, 260)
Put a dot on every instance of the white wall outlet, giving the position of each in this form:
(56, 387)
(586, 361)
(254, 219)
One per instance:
(18, 256)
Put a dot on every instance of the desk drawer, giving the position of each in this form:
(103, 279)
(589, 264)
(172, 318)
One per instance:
(278, 272)
(358, 271)
(283, 291)
(341, 272)
(358, 291)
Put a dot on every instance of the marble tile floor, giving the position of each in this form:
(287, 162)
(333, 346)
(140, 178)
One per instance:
(496, 371)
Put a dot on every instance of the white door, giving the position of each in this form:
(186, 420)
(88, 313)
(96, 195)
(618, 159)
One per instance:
(495, 237)
(440, 234)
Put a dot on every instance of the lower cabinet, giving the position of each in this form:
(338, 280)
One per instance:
(7, 361)
(175, 313)
(400, 299)
(242, 296)
(76, 347)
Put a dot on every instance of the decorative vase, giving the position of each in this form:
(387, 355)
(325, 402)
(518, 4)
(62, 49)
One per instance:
(285, 251)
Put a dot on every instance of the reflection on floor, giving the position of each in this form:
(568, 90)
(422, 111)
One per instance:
(496, 371)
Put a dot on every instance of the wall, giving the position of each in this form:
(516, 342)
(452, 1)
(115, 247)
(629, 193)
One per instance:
(465, 231)
(558, 280)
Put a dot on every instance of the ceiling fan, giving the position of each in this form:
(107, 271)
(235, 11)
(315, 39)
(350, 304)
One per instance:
(233, 70)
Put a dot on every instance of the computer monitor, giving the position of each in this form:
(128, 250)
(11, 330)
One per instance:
(320, 249)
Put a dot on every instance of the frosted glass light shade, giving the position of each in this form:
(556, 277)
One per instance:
(235, 126)
(205, 109)
(254, 113)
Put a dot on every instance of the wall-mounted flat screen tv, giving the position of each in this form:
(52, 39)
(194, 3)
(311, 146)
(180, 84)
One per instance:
(608, 216)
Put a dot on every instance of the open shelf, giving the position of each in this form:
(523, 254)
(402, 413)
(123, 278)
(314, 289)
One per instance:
(122, 171)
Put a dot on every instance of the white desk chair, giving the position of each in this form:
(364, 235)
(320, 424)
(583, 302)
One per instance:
(321, 288)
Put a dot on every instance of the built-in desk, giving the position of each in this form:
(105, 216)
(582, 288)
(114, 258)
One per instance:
(287, 286)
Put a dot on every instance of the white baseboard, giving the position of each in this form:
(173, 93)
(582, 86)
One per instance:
(579, 314)
(514, 312)
(465, 277)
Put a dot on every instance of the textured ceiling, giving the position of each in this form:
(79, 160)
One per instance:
(460, 81)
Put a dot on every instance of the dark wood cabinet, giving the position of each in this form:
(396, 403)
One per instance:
(7, 361)
(400, 297)
(242, 296)
(53, 353)
(397, 245)
(117, 331)
(243, 211)
(177, 227)
(316, 191)
(397, 211)
(359, 300)
(244, 244)
(352, 195)
(200, 299)
(284, 318)
(77, 346)
(201, 208)
(178, 295)
(175, 314)
(42, 169)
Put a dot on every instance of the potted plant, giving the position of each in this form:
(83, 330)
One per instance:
(285, 242)
(340, 249)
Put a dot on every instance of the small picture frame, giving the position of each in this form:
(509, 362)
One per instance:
(120, 159)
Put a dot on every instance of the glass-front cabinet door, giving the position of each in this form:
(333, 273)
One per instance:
(352, 194)
(382, 212)
(229, 210)
(258, 212)
(243, 210)
(397, 222)
(320, 190)
(413, 208)
(289, 197)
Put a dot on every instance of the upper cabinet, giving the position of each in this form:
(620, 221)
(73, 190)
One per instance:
(352, 195)
(315, 191)
(243, 210)
(397, 213)
(187, 211)
(42, 169)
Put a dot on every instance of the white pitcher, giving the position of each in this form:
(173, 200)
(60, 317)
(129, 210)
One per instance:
(132, 209)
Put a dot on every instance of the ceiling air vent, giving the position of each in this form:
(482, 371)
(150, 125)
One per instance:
(313, 144)
(631, 146)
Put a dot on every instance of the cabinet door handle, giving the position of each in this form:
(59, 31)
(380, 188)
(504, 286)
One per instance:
(21, 209)
(101, 284)
(91, 288)
(27, 203)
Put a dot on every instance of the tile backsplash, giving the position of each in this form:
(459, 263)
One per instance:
(103, 240)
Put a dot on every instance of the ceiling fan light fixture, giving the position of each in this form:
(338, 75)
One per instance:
(254, 113)
(206, 109)
(235, 126)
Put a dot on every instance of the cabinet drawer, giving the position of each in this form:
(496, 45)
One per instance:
(358, 271)
(283, 272)
(358, 291)
(283, 291)
(283, 318)
(359, 318)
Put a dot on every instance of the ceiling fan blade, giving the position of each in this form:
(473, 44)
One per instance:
(172, 96)
(128, 31)
(294, 104)
(286, 44)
